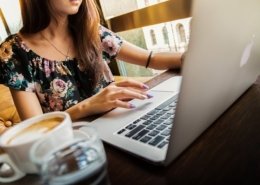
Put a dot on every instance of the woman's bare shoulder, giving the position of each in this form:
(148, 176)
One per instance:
(30, 39)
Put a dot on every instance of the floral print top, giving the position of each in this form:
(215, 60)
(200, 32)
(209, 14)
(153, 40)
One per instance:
(57, 84)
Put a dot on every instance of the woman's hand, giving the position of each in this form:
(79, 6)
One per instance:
(115, 95)
(3, 125)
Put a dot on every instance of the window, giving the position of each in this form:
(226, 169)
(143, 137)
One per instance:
(182, 37)
(181, 32)
(3, 27)
(165, 35)
(12, 14)
(153, 37)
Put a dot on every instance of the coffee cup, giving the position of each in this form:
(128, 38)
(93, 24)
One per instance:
(17, 141)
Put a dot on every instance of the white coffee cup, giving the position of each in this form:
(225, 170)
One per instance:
(17, 141)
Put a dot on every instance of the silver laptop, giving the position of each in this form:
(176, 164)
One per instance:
(222, 62)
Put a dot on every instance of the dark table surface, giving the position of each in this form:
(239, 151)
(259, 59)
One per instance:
(228, 152)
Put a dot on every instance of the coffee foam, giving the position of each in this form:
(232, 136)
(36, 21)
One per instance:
(34, 131)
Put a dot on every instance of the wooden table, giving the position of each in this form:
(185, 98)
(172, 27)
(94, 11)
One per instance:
(228, 152)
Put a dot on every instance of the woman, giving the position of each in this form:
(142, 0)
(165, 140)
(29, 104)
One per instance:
(57, 62)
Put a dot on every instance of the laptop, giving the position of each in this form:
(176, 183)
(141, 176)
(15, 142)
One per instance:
(222, 62)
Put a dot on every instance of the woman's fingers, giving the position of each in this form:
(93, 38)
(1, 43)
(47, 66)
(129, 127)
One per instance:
(132, 83)
(124, 93)
(141, 91)
(122, 104)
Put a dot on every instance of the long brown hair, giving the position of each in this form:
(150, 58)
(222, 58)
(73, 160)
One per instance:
(84, 27)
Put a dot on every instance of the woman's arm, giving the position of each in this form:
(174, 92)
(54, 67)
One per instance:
(136, 55)
(26, 103)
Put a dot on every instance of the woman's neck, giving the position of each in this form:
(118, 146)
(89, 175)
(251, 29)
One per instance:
(57, 28)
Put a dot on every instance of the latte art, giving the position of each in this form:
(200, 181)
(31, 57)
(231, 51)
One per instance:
(34, 131)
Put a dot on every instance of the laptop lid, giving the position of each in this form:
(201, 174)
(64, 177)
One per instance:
(222, 61)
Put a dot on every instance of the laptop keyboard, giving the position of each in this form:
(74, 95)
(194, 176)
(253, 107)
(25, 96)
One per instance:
(154, 127)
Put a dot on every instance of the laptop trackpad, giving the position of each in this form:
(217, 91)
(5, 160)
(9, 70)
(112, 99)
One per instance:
(172, 84)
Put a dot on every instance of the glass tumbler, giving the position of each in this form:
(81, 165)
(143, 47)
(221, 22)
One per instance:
(79, 161)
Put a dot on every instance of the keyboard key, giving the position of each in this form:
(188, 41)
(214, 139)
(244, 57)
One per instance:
(162, 144)
(159, 113)
(166, 132)
(148, 122)
(130, 127)
(156, 140)
(151, 127)
(145, 117)
(135, 131)
(159, 121)
(161, 127)
(136, 121)
(168, 122)
(153, 133)
(165, 117)
(167, 108)
(154, 117)
(153, 112)
(157, 109)
(121, 131)
(172, 104)
(172, 111)
(140, 134)
(145, 139)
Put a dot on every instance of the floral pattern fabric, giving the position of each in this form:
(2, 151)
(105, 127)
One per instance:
(57, 84)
